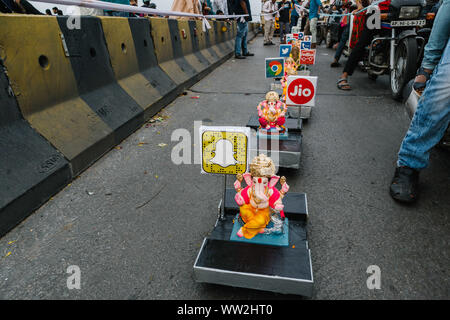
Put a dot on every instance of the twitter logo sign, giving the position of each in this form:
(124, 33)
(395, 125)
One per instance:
(285, 50)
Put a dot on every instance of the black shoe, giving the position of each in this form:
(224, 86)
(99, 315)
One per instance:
(239, 57)
(404, 186)
(271, 43)
(266, 43)
(248, 54)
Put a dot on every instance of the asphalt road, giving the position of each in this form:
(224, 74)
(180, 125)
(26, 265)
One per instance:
(134, 221)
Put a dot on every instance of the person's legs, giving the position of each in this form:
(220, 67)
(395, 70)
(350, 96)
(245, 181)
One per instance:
(303, 24)
(307, 30)
(294, 21)
(239, 38)
(313, 27)
(342, 42)
(427, 128)
(283, 30)
(244, 39)
(355, 56)
(267, 27)
(431, 119)
(272, 30)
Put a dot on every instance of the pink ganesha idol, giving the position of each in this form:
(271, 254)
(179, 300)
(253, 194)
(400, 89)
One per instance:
(291, 70)
(260, 198)
(271, 112)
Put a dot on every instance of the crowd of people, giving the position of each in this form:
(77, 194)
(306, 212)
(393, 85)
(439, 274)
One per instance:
(432, 117)
(25, 7)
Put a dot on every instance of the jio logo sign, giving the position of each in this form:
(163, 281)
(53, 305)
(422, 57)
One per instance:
(301, 90)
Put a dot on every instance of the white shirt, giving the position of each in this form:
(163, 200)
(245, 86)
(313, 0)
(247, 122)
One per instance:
(267, 8)
(220, 5)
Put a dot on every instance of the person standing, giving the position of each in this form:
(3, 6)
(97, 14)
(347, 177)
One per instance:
(294, 14)
(314, 7)
(117, 13)
(220, 5)
(345, 27)
(189, 6)
(284, 8)
(360, 37)
(432, 116)
(240, 49)
(269, 12)
(303, 16)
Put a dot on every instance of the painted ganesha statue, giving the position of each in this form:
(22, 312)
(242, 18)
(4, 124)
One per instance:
(260, 199)
(271, 112)
(291, 70)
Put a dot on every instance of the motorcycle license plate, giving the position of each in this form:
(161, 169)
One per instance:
(407, 23)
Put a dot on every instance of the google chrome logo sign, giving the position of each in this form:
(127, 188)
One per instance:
(275, 68)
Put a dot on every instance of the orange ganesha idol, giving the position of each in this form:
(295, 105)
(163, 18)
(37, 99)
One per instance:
(260, 198)
(271, 112)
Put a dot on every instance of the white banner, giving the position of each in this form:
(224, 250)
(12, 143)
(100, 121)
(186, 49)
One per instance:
(126, 8)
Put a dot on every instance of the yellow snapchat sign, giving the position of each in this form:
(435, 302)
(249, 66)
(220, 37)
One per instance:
(224, 150)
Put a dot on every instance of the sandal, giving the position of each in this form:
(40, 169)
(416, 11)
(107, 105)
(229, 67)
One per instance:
(342, 84)
(420, 86)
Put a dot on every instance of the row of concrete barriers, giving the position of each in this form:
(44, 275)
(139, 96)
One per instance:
(68, 96)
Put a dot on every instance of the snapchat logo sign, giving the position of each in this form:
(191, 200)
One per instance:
(224, 151)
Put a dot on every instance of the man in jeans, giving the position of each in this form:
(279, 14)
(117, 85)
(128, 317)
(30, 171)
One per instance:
(240, 49)
(432, 116)
(314, 7)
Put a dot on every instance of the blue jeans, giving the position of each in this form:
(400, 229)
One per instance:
(438, 37)
(241, 38)
(342, 42)
(431, 119)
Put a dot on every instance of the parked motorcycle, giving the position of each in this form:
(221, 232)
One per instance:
(398, 48)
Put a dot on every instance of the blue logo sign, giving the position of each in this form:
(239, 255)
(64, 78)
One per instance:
(285, 50)
(300, 35)
(305, 45)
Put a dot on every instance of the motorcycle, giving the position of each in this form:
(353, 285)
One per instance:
(398, 48)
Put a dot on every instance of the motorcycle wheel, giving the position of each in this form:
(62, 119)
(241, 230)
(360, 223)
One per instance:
(328, 41)
(404, 66)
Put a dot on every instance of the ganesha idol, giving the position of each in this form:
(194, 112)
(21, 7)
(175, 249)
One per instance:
(290, 70)
(271, 113)
(260, 198)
